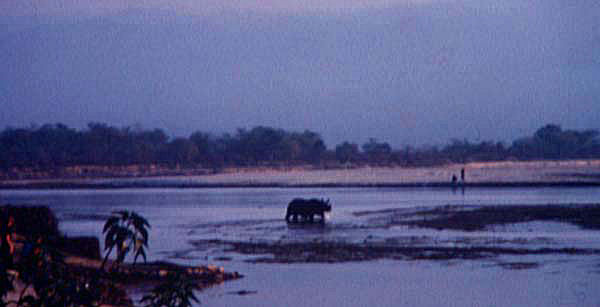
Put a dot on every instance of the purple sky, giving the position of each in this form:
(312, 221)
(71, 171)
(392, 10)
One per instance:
(406, 72)
(193, 7)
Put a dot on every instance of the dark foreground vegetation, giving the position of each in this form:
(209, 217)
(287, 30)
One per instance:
(40, 267)
(54, 148)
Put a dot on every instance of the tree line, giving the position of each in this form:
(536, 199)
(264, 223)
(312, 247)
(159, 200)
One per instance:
(57, 145)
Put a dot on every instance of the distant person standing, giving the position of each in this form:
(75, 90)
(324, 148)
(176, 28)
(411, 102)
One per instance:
(462, 175)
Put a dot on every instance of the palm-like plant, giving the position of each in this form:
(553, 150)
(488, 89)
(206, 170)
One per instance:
(124, 230)
(176, 291)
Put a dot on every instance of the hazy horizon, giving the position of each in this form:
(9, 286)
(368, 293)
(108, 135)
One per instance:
(404, 72)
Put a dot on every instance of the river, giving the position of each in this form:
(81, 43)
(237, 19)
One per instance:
(180, 217)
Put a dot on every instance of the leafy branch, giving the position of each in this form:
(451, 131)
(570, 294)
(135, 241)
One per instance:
(125, 230)
(176, 291)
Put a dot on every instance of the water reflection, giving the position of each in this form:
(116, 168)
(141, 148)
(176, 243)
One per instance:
(180, 217)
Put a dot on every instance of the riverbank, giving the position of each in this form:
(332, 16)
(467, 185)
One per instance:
(40, 263)
(484, 174)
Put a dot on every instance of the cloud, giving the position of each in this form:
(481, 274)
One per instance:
(409, 74)
(188, 7)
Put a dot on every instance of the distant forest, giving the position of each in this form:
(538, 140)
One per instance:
(54, 146)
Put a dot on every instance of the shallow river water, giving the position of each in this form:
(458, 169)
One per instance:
(180, 217)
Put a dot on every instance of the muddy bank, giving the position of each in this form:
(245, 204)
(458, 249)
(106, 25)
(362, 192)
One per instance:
(488, 174)
(75, 185)
(151, 273)
(474, 218)
(334, 252)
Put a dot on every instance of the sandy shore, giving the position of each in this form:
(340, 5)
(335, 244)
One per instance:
(507, 173)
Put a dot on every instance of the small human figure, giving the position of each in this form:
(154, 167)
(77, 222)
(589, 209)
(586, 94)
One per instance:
(454, 183)
(462, 174)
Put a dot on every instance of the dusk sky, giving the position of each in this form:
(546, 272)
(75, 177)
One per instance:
(403, 71)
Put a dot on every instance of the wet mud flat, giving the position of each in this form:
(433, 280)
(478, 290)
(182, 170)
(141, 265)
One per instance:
(334, 252)
(477, 218)
(461, 220)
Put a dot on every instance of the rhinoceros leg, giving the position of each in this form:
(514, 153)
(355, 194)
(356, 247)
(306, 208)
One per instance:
(322, 215)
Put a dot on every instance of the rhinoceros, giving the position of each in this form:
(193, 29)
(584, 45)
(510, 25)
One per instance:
(306, 209)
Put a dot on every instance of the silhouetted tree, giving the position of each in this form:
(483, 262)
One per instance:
(347, 153)
(552, 142)
(53, 146)
(180, 151)
(376, 152)
(207, 148)
(148, 145)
